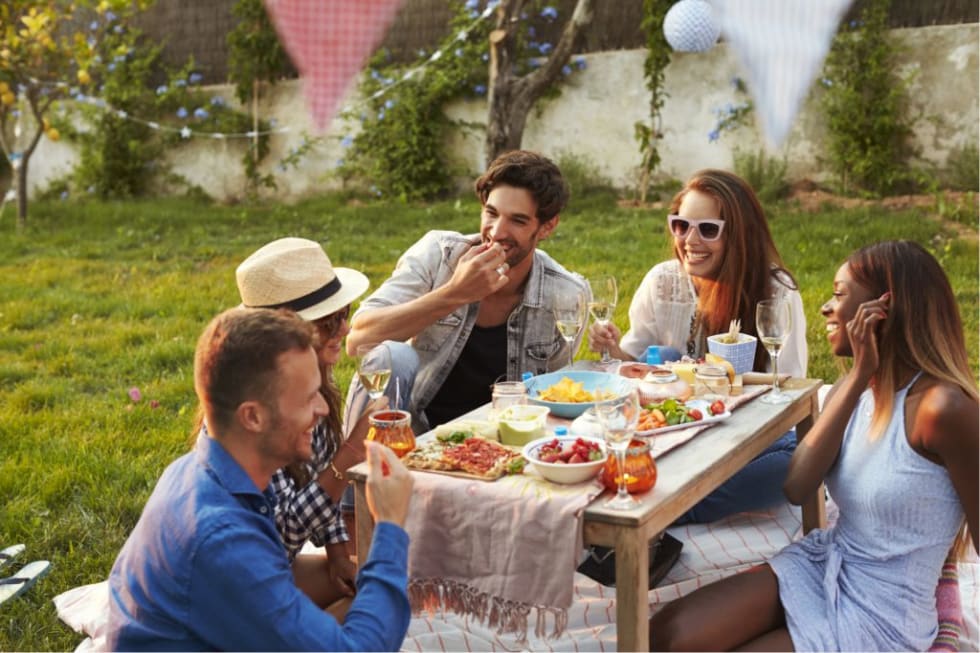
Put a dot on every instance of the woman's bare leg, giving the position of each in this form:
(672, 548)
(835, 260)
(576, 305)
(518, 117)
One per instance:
(721, 616)
(312, 578)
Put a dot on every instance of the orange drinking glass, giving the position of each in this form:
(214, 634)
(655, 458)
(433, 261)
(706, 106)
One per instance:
(392, 428)
(641, 472)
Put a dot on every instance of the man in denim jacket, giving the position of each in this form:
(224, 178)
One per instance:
(475, 308)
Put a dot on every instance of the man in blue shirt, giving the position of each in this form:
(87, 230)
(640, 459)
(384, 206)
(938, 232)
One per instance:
(205, 567)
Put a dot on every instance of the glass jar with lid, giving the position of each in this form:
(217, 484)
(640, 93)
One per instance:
(662, 383)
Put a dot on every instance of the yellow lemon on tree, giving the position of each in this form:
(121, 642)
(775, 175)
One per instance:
(8, 98)
(53, 134)
(715, 359)
(84, 77)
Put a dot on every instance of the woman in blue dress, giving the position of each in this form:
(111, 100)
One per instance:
(897, 444)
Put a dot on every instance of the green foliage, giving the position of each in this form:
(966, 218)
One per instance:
(961, 208)
(963, 168)
(255, 56)
(254, 52)
(400, 148)
(654, 68)
(765, 174)
(124, 157)
(865, 106)
(581, 174)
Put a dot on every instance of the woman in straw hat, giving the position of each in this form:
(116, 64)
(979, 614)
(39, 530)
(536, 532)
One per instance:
(296, 274)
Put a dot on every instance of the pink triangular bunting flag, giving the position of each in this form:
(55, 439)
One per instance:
(329, 41)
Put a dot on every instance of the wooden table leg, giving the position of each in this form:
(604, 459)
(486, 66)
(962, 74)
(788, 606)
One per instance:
(632, 586)
(365, 522)
(814, 509)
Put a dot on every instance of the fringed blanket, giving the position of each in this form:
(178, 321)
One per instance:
(510, 548)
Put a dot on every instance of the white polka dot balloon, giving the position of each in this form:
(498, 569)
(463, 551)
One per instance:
(690, 26)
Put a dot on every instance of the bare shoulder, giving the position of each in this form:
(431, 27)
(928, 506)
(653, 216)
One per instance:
(946, 420)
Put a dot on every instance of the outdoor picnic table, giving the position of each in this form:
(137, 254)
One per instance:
(686, 474)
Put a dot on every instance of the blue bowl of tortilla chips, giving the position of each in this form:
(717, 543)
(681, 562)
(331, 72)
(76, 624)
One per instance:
(569, 393)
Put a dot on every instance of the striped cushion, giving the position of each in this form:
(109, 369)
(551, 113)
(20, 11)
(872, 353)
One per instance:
(949, 610)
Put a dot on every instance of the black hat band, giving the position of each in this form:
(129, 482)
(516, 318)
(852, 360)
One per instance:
(310, 299)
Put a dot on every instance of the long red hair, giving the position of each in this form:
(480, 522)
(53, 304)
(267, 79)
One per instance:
(749, 262)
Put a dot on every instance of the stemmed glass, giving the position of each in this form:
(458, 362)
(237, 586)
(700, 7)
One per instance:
(603, 304)
(618, 418)
(570, 310)
(773, 322)
(374, 368)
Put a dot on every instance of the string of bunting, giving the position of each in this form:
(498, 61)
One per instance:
(186, 132)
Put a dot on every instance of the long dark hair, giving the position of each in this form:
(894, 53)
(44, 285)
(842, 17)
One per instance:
(749, 261)
(923, 330)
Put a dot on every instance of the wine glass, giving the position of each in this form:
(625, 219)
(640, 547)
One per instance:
(374, 368)
(603, 304)
(618, 419)
(772, 322)
(570, 315)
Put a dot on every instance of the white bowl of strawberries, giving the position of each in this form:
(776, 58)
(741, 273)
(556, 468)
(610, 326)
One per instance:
(566, 459)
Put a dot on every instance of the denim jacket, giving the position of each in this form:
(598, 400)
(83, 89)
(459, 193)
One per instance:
(533, 341)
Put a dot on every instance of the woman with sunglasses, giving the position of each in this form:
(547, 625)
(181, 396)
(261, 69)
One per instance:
(897, 444)
(296, 274)
(725, 263)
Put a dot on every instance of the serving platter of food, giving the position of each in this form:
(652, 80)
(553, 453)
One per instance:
(462, 450)
(674, 414)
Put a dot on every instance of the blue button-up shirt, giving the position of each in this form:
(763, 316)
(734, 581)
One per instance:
(533, 341)
(205, 569)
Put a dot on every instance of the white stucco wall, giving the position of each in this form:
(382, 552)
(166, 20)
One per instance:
(595, 115)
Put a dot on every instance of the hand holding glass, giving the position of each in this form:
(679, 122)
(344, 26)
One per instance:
(618, 418)
(569, 318)
(772, 323)
(374, 368)
(603, 304)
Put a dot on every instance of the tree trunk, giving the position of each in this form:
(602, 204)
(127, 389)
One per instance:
(511, 97)
(21, 181)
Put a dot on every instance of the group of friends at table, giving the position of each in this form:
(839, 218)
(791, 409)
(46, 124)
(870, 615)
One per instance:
(216, 561)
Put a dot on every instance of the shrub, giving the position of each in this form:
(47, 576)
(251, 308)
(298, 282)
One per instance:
(765, 174)
(865, 107)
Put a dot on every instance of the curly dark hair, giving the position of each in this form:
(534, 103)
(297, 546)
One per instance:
(531, 171)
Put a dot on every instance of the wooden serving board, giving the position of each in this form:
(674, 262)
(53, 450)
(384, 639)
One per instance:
(462, 474)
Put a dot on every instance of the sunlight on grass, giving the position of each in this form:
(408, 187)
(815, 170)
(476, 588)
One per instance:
(101, 298)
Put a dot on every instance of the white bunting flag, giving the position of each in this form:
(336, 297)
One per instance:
(781, 45)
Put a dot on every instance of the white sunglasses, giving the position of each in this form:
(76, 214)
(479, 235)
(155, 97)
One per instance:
(708, 229)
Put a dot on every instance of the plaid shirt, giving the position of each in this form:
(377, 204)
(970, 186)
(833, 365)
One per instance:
(307, 512)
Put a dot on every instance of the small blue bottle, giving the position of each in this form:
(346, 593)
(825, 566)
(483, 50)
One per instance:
(653, 355)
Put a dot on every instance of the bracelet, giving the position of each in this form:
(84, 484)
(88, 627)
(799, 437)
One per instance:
(337, 474)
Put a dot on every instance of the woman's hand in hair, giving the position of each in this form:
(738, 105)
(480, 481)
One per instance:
(863, 331)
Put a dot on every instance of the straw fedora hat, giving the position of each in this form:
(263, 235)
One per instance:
(295, 273)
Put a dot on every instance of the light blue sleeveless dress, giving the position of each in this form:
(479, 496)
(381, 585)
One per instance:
(869, 583)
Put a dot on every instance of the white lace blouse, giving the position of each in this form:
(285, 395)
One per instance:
(663, 308)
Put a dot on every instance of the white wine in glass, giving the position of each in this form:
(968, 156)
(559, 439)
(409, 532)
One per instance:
(618, 418)
(374, 368)
(772, 323)
(570, 316)
(604, 297)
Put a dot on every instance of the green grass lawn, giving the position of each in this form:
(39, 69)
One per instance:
(98, 298)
